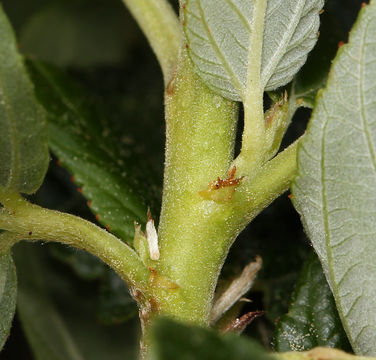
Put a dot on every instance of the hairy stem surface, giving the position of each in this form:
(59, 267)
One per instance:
(161, 27)
(31, 222)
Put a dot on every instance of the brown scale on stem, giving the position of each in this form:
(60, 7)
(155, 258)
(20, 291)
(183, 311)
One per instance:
(222, 190)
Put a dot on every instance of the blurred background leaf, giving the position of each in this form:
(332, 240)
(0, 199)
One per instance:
(58, 314)
(313, 318)
(193, 343)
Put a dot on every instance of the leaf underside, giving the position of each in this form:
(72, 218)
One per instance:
(218, 34)
(312, 319)
(8, 296)
(24, 153)
(335, 191)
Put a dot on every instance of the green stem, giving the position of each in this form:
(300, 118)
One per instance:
(259, 190)
(201, 129)
(32, 222)
(195, 234)
(161, 27)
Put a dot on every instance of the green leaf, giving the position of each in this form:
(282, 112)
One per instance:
(218, 34)
(58, 314)
(313, 318)
(82, 137)
(335, 191)
(23, 142)
(177, 341)
(8, 296)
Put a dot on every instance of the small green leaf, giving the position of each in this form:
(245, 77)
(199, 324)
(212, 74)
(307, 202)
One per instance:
(24, 153)
(313, 318)
(177, 341)
(8, 296)
(81, 136)
(335, 191)
(218, 34)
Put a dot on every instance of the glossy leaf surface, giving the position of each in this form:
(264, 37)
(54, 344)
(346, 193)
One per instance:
(218, 34)
(335, 191)
(24, 153)
(100, 161)
(312, 319)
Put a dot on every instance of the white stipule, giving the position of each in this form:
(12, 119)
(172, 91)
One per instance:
(152, 238)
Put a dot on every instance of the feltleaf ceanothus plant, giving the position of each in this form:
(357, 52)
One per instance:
(218, 55)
